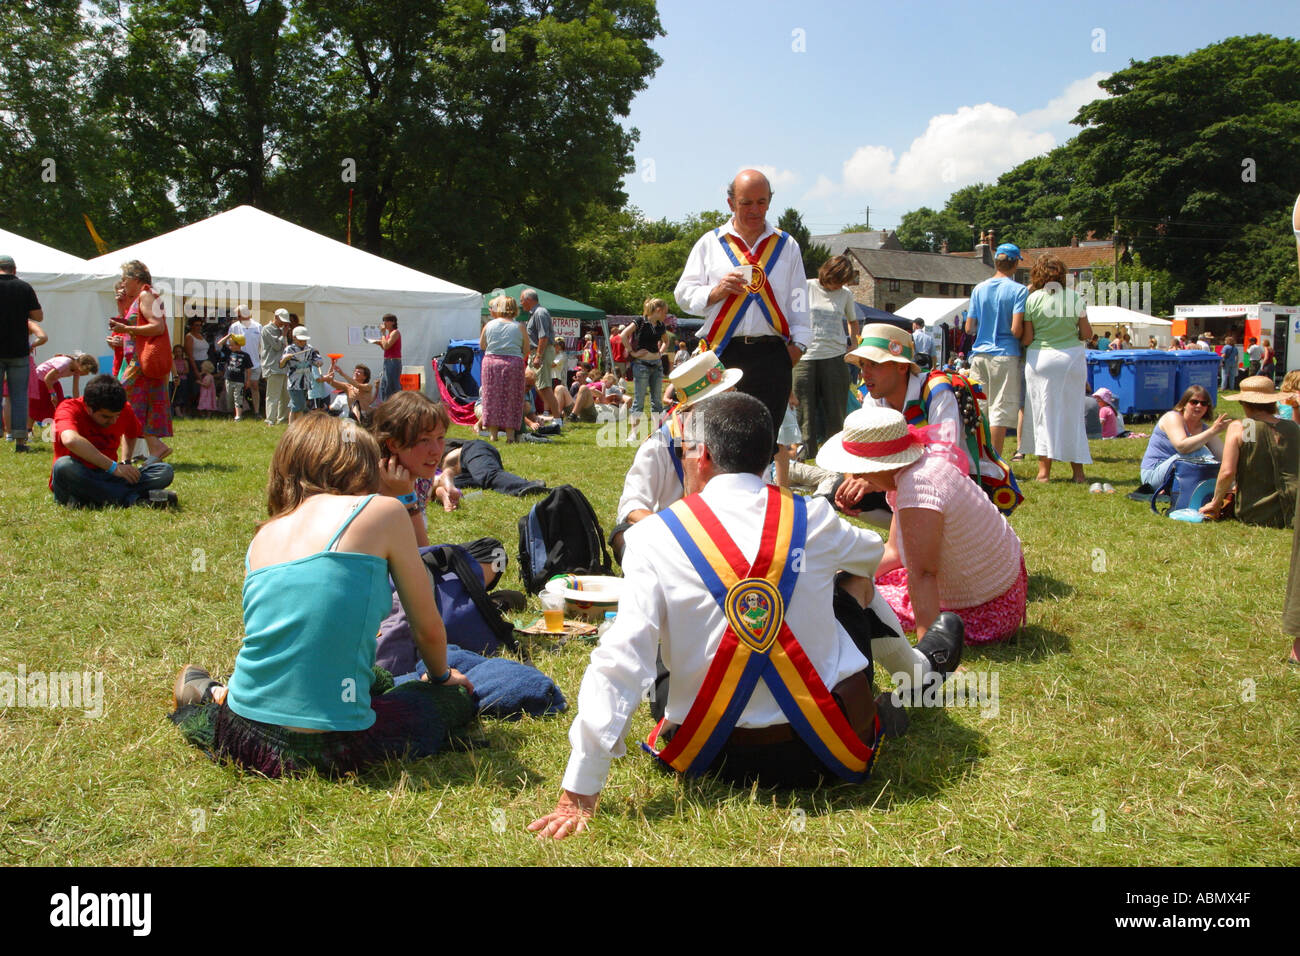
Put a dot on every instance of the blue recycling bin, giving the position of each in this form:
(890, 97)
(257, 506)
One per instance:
(1197, 368)
(1143, 380)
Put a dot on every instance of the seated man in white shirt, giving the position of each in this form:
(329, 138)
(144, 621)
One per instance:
(770, 558)
(655, 479)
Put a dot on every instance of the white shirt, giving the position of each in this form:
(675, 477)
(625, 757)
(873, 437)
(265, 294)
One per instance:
(652, 481)
(943, 408)
(828, 316)
(665, 607)
(252, 333)
(708, 264)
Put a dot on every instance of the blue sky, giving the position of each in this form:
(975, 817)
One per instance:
(848, 104)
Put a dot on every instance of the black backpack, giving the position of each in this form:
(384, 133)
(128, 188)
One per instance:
(561, 535)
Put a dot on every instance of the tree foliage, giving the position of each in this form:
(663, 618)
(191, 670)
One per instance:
(813, 255)
(472, 138)
(1193, 155)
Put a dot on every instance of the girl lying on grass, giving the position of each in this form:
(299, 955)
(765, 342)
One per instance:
(304, 691)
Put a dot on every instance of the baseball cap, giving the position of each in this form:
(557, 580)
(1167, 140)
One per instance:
(1010, 250)
(282, 315)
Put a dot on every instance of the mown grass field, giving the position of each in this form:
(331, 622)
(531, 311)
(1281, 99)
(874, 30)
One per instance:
(1146, 715)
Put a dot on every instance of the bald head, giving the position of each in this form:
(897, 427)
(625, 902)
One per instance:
(748, 178)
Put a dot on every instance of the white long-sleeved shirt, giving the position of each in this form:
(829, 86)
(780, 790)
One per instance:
(652, 481)
(666, 607)
(708, 264)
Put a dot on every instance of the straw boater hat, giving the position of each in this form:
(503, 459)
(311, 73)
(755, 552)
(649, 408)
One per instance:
(874, 439)
(1258, 390)
(701, 376)
(882, 342)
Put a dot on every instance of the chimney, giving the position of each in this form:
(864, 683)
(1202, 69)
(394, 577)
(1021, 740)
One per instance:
(1074, 242)
(943, 247)
(993, 243)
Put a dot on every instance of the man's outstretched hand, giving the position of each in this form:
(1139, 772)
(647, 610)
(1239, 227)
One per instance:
(569, 816)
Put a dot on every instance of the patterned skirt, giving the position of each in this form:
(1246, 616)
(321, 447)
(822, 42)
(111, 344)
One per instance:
(503, 391)
(152, 405)
(994, 620)
(415, 720)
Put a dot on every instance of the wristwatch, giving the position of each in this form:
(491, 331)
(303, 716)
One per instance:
(803, 349)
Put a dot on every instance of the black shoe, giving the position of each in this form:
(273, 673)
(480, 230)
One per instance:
(892, 714)
(943, 642)
(509, 601)
(20, 448)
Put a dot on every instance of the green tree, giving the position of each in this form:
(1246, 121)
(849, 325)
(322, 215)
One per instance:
(813, 255)
(1158, 292)
(58, 163)
(1191, 150)
(924, 230)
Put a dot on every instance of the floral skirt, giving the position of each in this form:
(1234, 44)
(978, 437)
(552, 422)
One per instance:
(414, 720)
(503, 391)
(152, 405)
(994, 620)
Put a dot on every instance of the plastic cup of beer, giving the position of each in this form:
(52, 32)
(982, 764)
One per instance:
(553, 611)
(746, 274)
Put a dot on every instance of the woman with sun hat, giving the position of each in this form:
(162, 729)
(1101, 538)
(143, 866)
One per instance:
(949, 547)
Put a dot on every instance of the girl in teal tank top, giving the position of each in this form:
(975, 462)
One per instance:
(304, 691)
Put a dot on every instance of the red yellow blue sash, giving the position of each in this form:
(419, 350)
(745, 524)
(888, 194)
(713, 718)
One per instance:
(1003, 490)
(759, 290)
(757, 643)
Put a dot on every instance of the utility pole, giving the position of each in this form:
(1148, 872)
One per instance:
(1114, 241)
(867, 221)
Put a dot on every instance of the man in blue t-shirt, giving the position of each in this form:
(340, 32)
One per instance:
(995, 358)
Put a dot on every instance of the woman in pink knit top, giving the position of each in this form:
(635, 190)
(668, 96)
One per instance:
(949, 548)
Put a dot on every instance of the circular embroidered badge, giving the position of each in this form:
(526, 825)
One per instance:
(895, 348)
(714, 375)
(755, 611)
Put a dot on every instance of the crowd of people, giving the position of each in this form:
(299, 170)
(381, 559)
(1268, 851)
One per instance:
(760, 617)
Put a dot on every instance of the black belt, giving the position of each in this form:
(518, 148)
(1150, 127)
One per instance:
(757, 339)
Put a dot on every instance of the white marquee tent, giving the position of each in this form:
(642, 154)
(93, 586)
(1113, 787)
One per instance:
(246, 256)
(77, 303)
(1111, 318)
(934, 311)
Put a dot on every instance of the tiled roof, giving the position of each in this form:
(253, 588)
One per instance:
(921, 266)
(838, 242)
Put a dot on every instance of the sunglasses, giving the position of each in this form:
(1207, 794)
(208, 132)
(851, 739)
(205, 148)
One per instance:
(1198, 401)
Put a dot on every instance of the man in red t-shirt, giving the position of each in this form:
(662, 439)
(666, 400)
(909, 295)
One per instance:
(88, 434)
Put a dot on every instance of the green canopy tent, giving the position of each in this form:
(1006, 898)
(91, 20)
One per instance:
(559, 307)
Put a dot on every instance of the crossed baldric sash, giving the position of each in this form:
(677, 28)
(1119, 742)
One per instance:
(1003, 489)
(757, 644)
(759, 290)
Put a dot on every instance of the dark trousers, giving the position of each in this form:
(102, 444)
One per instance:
(14, 373)
(788, 763)
(822, 387)
(480, 466)
(768, 373)
(78, 485)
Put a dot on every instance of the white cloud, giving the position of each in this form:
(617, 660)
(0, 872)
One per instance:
(779, 178)
(975, 144)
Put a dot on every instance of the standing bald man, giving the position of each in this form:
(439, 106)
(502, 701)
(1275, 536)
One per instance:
(748, 282)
